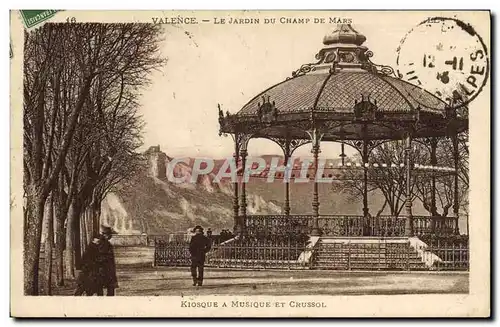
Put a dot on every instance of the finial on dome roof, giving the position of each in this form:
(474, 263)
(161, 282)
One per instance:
(344, 33)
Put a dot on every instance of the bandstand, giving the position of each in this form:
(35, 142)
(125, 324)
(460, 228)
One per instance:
(344, 97)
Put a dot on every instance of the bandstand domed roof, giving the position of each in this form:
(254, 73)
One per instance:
(338, 92)
(347, 96)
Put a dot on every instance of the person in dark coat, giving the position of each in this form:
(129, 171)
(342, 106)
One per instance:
(88, 279)
(198, 248)
(106, 263)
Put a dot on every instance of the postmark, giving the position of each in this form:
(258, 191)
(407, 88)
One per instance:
(35, 17)
(447, 57)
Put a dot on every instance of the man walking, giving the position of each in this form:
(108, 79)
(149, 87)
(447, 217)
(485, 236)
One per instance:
(198, 247)
(106, 263)
(88, 278)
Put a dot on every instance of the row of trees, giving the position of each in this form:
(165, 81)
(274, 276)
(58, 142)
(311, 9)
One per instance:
(81, 132)
(435, 191)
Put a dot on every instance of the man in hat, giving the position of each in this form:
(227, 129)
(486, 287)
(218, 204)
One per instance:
(106, 263)
(198, 247)
(88, 279)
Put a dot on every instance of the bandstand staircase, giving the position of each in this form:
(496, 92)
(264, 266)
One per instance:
(366, 253)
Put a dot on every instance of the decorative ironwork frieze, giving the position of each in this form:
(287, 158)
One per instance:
(241, 141)
(304, 69)
(221, 120)
(267, 111)
(244, 140)
(315, 135)
(297, 123)
(288, 146)
(332, 125)
(365, 109)
(376, 68)
(358, 144)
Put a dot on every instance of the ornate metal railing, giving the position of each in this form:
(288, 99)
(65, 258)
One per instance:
(248, 252)
(425, 225)
(395, 255)
(267, 253)
(277, 241)
(453, 256)
(279, 252)
(171, 253)
(332, 225)
(262, 226)
(387, 226)
(347, 225)
(453, 251)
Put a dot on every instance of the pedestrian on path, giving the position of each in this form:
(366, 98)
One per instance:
(88, 278)
(198, 248)
(106, 263)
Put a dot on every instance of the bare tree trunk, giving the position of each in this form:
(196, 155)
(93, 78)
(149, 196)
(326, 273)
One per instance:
(467, 224)
(49, 242)
(88, 231)
(90, 227)
(70, 245)
(84, 229)
(73, 243)
(96, 216)
(59, 247)
(77, 235)
(32, 239)
(60, 212)
(381, 209)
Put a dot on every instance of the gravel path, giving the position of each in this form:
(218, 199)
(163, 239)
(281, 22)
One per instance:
(137, 277)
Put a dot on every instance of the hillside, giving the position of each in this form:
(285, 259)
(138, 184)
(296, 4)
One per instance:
(157, 206)
(154, 205)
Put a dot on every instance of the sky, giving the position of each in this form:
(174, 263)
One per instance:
(229, 64)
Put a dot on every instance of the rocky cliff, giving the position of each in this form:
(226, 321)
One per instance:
(151, 204)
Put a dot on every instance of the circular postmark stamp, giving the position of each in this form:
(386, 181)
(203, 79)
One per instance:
(446, 57)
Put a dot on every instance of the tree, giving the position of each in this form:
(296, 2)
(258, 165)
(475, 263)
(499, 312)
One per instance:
(111, 135)
(439, 202)
(74, 75)
(43, 159)
(390, 180)
(351, 183)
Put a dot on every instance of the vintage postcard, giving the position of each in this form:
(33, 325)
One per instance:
(250, 163)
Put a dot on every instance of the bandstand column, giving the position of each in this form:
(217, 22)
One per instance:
(316, 138)
(342, 153)
(237, 223)
(456, 202)
(365, 189)
(243, 203)
(433, 144)
(286, 207)
(408, 200)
